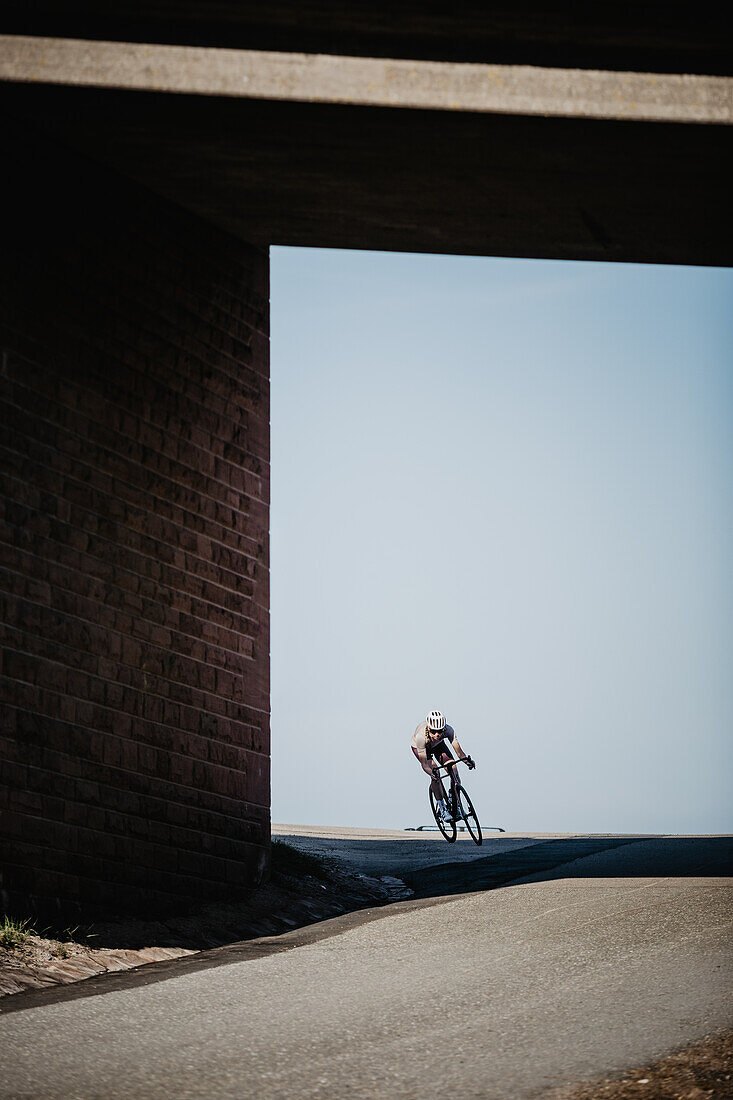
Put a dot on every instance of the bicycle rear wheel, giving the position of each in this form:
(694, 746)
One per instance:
(447, 828)
(467, 812)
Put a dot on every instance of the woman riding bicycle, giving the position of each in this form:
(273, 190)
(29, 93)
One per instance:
(430, 744)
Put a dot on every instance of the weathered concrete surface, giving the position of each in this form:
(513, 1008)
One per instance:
(660, 37)
(369, 81)
(531, 985)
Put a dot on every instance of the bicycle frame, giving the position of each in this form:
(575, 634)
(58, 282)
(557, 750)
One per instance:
(448, 770)
(449, 829)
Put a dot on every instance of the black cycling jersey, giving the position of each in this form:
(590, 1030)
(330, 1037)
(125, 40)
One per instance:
(440, 748)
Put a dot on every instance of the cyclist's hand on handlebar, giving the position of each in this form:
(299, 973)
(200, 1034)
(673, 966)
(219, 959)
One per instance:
(470, 764)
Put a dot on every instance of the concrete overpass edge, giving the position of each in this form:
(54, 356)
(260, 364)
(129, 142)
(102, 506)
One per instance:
(369, 81)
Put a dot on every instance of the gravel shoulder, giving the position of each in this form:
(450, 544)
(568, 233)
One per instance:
(701, 1071)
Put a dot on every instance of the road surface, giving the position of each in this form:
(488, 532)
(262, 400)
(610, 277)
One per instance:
(392, 851)
(591, 966)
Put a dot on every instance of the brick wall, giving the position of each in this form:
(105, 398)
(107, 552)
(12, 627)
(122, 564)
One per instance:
(134, 503)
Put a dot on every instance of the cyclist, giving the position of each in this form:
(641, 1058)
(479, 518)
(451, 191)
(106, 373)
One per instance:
(431, 743)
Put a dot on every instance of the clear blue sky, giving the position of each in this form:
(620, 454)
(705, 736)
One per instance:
(504, 489)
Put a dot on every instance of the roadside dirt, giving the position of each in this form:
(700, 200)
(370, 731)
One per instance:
(702, 1071)
(291, 899)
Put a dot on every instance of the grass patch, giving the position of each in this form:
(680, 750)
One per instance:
(80, 933)
(14, 933)
(287, 860)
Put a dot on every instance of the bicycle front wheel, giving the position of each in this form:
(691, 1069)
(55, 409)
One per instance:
(447, 828)
(467, 812)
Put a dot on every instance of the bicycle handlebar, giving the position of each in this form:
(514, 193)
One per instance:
(450, 764)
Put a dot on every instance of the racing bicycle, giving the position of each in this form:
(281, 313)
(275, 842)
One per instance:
(459, 804)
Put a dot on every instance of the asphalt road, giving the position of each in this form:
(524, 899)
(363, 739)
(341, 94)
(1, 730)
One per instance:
(393, 851)
(598, 964)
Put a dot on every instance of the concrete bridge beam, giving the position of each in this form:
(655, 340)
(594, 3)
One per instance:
(369, 81)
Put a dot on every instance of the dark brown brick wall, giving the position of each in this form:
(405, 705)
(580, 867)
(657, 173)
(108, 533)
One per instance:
(134, 516)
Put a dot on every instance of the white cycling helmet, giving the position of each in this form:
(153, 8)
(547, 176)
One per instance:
(435, 721)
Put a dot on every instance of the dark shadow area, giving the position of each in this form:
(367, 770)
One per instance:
(432, 868)
(400, 180)
(376, 856)
(302, 889)
(341, 896)
(591, 857)
(315, 879)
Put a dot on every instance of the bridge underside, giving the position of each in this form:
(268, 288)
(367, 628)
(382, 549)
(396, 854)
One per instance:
(420, 180)
(409, 180)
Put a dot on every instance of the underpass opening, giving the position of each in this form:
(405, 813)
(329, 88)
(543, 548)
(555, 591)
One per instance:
(499, 489)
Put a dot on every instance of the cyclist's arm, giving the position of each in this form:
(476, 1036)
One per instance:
(457, 748)
(427, 765)
(461, 754)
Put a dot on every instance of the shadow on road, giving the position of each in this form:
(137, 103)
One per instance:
(580, 857)
(516, 860)
(432, 868)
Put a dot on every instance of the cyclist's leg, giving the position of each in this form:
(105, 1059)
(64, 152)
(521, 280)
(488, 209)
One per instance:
(436, 790)
(434, 785)
(443, 758)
